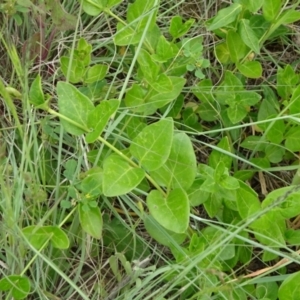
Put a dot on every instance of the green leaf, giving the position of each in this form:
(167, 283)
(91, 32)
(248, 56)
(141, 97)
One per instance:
(275, 133)
(111, 3)
(290, 288)
(251, 5)
(289, 16)
(171, 212)
(216, 156)
(254, 142)
(269, 229)
(139, 12)
(268, 107)
(36, 95)
(271, 9)
(37, 236)
(120, 238)
(208, 112)
(149, 68)
(95, 73)
(292, 236)
(178, 28)
(236, 113)
(135, 98)
(75, 106)
(287, 80)
(225, 16)
(75, 69)
(119, 177)
(294, 103)
(230, 84)
(99, 117)
(196, 195)
(247, 203)
(93, 7)
(135, 125)
(180, 168)
(248, 35)
(236, 47)
(162, 84)
(126, 35)
(161, 235)
(292, 141)
(159, 99)
(19, 286)
(152, 146)
(213, 204)
(91, 220)
(91, 185)
(223, 53)
(164, 50)
(274, 153)
(250, 69)
(248, 98)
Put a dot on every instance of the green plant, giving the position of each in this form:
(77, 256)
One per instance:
(116, 145)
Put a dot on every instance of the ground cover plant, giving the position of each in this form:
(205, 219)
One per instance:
(149, 149)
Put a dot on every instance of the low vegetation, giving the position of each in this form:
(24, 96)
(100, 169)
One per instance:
(149, 149)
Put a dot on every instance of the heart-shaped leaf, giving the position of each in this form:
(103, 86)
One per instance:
(18, 285)
(171, 212)
(91, 221)
(38, 236)
(99, 117)
(152, 146)
(75, 106)
(180, 168)
(119, 177)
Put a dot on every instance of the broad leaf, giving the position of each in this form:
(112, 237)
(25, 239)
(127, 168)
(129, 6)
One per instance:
(36, 95)
(288, 16)
(236, 113)
(92, 183)
(152, 146)
(251, 5)
(236, 46)
(225, 16)
(178, 28)
(75, 106)
(162, 84)
(250, 69)
(95, 73)
(248, 36)
(172, 212)
(292, 141)
(19, 286)
(139, 12)
(37, 236)
(91, 221)
(290, 288)
(294, 103)
(135, 98)
(220, 155)
(159, 99)
(99, 117)
(247, 203)
(93, 7)
(160, 234)
(271, 9)
(148, 66)
(127, 35)
(180, 168)
(73, 70)
(119, 177)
